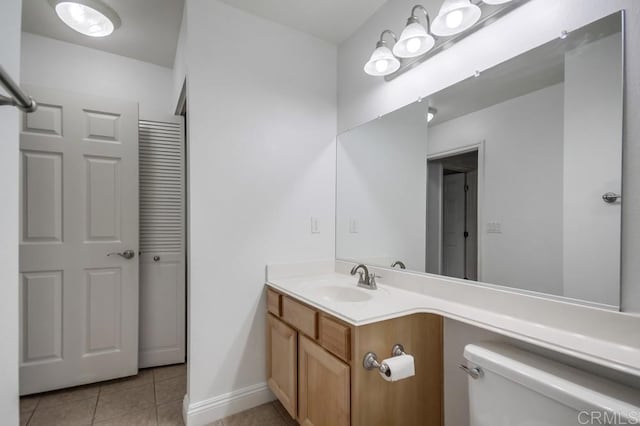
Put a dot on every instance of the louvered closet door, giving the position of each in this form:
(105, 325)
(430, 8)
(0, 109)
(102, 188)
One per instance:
(162, 252)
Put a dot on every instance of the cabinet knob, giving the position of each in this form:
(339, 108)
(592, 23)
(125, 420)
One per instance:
(156, 258)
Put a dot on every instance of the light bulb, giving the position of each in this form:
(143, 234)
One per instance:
(454, 19)
(382, 65)
(77, 12)
(413, 45)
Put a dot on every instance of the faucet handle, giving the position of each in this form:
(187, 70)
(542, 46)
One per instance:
(372, 280)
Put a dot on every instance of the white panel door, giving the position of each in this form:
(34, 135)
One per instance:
(79, 202)
(453, 225)
(162, 253)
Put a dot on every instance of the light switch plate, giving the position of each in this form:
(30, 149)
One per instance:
(315, 228)
(353, 226)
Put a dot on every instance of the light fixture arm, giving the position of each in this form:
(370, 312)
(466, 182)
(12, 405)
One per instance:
(414, 17)
(382, 42)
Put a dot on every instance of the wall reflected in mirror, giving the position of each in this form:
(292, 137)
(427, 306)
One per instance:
(504, 182)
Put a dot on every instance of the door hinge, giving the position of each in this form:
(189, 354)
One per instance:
(466, 188)
(466, 234)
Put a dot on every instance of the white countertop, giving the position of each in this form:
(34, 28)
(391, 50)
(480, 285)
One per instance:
(604, 337)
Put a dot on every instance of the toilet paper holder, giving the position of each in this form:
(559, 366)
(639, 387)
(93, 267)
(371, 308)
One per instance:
(370, 360)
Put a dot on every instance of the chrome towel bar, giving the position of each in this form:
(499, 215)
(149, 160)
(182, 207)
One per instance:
(19, 98)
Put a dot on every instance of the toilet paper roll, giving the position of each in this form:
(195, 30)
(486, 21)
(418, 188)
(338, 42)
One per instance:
(399, 367)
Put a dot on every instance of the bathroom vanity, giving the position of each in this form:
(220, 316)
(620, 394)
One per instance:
(321, 325)
(315, 363)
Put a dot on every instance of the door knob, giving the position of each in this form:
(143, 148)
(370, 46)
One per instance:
(127, 254)
(611, 197)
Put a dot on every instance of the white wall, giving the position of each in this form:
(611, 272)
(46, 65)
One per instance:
(381, 186)
(362, 98)
(180, 61)
(522, 187)
(59, 65)
(10, 18)
(261, 126)
(592, 154)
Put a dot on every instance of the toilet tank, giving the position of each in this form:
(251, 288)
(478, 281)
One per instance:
(518, 388)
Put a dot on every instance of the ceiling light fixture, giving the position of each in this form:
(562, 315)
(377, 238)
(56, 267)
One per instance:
(494, 2)
(382, 62)
(415, 39)
(455, 16)
(92, 18)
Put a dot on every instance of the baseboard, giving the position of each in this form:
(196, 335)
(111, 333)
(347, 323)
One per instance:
(212, 409)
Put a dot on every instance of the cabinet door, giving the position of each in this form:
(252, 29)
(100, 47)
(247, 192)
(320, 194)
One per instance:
(282, 360)
(324, 387)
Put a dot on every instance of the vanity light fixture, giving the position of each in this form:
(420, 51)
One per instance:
(455, 16)
(382, 61)
(92, 18)
(456, 19)
(415, 39)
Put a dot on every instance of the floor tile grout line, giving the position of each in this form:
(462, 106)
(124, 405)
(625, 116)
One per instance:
(33, 411)
(30, 416)
(37, 406)
(95, 408)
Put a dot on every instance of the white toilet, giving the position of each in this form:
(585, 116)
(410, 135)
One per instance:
(517, 388)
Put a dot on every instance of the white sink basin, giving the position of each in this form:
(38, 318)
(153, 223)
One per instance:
(342, 294)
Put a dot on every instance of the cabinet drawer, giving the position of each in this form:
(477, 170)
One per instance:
(335, 337)
(300, 316)
(274, 304)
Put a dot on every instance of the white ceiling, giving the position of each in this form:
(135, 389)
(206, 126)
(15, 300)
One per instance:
(330, 20)
(149, 30)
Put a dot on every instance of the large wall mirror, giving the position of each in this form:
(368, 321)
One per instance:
(500, 178)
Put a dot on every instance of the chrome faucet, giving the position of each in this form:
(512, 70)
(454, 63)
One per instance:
(365, 280)
(398, 263)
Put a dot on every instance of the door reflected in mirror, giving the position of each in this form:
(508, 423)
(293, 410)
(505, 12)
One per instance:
(499, 178)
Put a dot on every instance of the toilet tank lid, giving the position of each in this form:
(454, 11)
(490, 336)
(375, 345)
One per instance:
(568, 385)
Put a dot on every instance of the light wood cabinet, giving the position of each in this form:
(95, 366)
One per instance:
(323, 387)
(315, 367)
(282, 365)
(416, 400)
(335, 337)
(302, 317)
(274, 303)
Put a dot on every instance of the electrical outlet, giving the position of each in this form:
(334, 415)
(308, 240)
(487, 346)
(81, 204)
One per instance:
(494, 228)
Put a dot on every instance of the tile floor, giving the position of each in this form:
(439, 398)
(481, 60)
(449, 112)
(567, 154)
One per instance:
(153, 397)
